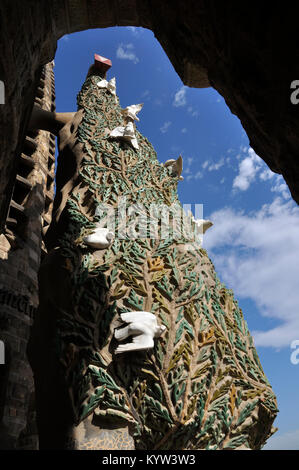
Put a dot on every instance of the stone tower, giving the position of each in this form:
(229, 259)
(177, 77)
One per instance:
(20, 255)
(198, 383)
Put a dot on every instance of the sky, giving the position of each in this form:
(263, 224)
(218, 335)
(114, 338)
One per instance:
(254, 240)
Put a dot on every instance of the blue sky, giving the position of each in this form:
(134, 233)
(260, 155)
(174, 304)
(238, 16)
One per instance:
(254, 240)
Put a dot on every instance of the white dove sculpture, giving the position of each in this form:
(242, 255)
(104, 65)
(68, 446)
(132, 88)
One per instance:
(100, 238)
(143, 327)
(110, 86)
(130, 112)
(203, 224)
(125, 133)
(176, 166)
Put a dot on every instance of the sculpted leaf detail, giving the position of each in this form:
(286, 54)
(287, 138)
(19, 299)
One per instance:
(201, 385)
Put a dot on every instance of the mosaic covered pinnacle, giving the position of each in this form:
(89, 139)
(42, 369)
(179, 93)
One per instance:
(190, 377)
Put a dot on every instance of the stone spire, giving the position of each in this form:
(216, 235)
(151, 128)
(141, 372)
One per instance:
(200, 384)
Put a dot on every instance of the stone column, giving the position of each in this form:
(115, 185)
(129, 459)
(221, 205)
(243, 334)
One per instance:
(20, 255)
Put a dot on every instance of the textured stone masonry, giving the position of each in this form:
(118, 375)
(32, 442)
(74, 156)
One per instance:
(20, 254)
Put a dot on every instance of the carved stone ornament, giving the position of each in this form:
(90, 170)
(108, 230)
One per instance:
(110, 86)
(176, 166)
(203, 224)
(126, 133)
(100, 238)
(130, 112)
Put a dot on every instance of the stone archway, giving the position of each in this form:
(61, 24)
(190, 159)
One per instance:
(246, 51)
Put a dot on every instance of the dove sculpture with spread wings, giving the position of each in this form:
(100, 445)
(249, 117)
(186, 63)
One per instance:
(143, 327)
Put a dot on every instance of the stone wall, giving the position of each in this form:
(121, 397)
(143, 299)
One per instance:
(20, 252)
(25, 32)
(246, 50)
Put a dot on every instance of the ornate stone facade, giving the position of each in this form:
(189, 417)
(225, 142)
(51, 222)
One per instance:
(245, 50)
(202, 385)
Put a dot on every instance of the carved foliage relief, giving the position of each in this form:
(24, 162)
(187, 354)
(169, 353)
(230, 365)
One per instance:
(202, 385)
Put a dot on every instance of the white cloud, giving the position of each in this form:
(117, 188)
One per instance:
(180, 100)
(217, 165)
(248, 169)
(165, 127)
(253, 167)
(286, 441)
(180, 97)
(191, 173)
(133, 30)
(260, 263)
(196, 176)
(145, 94)
(126, 52)
(192, 111)
(281, 187)
(158, 102)
(267, 174)
(184, 130)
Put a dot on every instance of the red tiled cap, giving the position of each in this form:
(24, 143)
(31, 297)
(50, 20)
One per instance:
(102, 63)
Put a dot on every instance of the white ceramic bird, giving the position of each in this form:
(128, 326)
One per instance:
(130, 112)
(100, 238)
(126, 133)
(203, 224)
(110, 86)
(176, 166)
(143, 327)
